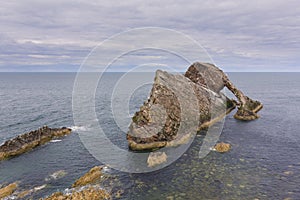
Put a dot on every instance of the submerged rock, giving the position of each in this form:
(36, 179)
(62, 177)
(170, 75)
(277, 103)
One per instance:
(156, 158)
(56, 175)
(178, 103)
(28, 141)
(222, 147)
(8, 190)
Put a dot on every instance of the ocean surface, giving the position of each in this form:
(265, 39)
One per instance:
(264, 161)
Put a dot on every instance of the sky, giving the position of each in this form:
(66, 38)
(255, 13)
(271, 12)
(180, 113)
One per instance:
(57, 36)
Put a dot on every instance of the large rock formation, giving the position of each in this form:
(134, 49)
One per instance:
(28, 141)
(215, 79)
(178, 103)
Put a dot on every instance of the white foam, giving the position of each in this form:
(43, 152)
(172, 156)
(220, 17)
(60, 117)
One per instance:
(78, 128)
(40, 187)
(55, 141)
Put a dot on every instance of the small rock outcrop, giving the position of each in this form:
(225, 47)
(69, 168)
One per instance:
(28, 141)
(197, 93)
(90, 177)
(8, 190)
(222, 147)
(156, 158)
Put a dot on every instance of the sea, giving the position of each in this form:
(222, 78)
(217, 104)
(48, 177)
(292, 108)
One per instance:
(263, 163)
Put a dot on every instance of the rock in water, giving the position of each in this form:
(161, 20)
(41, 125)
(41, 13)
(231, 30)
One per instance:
(86, 187)
(92, 176)
(176, 109)
(156, 158)
(88, 193)
(178, 103)
(222, 147)
(28, 141)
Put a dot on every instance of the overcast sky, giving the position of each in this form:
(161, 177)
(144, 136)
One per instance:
(56, 35)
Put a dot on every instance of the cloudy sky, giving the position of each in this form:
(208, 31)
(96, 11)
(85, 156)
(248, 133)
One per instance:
(57, 35)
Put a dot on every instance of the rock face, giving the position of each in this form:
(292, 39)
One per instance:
(177, 103)
(215, 79)
(28, 141)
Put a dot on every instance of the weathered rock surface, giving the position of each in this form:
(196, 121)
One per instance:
(175, 101)
(8, 190)
(28, 141)
(222, 147)
(197, 92)
(215, 79)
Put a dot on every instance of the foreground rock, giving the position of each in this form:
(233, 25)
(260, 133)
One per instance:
(28, 141)
(8, 190)
(86, 187)
(89, 193)
(177, 103)
(90, 186)
(222, 147)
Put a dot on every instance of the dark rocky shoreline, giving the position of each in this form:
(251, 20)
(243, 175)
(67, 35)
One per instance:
(27, 141)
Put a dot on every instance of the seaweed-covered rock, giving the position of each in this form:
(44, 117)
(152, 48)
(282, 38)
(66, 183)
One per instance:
(90, 193)
(8, 190)
(222, 147)
(86, 187)
(28, 141)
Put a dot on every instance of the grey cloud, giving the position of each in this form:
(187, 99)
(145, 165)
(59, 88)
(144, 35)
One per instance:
(240, 35)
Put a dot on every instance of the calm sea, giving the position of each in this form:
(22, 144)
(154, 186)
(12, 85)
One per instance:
(264, 162)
